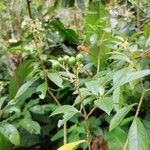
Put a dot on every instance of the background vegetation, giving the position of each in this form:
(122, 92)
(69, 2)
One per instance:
(74, 70)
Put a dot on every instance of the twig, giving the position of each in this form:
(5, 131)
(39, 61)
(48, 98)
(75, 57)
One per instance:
(92, 110)
(65, 133)
(29, 8)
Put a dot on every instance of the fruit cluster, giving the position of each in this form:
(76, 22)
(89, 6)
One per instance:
(66, 60)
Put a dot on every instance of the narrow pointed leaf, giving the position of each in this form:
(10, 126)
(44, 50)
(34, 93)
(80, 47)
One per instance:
(116, 120)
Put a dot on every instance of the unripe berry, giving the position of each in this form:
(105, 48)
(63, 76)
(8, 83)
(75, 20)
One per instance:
(66, 58)
(79, 57)
(72, 61)
(55, 65)
(60, 59)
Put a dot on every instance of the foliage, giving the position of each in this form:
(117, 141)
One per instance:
(60, 88)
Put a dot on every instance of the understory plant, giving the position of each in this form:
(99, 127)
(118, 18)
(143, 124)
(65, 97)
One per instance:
(64, 92)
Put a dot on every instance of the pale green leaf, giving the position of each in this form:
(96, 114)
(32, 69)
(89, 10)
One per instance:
(106, 104)
(124, 76)
(31, 126)
(116, 98)
(137, 138)
(64, 109)
(67, 116)
(55, 78)
(118, 117)
(93, 86)
(10, 132)
(42, 88)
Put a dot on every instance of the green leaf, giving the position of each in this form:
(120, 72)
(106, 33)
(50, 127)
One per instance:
(4, 143)
(58, 135)
(67, 116)
(64, 109)
(116, 139)
(19, 78)
(10, 132)
(93, 86)
(67, 34)
(31, 126)
(147, 30)
(117, 98)
(2, 100)
(121, 57)
(2, 6)
(123, 76)
(25, 87)
(137, 138)
(67, 110)
(96, 20)
(68, 3)
(43, 109)
(27, 94)
(54, 77)
(106, 104)
(43, 89)
(118, 117)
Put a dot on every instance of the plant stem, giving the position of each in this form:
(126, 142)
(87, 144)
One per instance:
(138, 15)
(140, 103)
(86, 119)
(39, 53)
(65, 133)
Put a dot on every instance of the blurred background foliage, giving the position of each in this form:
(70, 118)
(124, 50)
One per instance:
(94, 28)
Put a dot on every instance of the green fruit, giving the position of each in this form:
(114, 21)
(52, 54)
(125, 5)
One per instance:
(72, 61)
(60, 59)
(55, 65)
(66, 58)
(79, 57)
